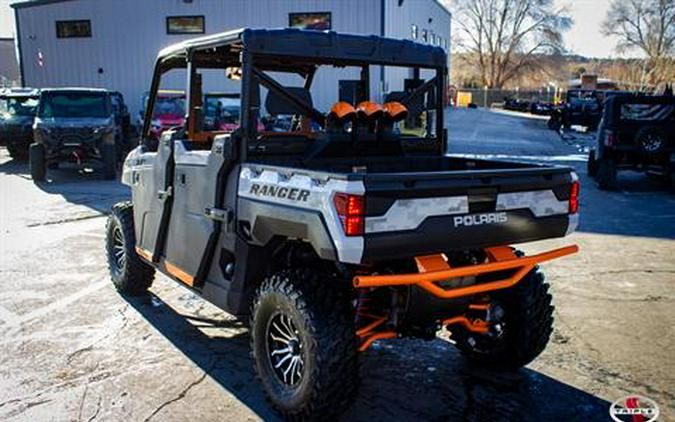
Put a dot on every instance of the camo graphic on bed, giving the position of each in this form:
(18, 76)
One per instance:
(408, 214)
(542, 203)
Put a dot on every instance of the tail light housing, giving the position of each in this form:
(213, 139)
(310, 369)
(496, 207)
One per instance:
(610, 138)
(574, 198)
(351, 210)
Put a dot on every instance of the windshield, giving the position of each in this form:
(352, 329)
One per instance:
(20, 106)
(74, 104)
(225, 108)
(169, 106)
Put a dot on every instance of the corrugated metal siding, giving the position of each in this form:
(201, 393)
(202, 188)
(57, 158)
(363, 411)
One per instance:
(127, 34)
(400, 15)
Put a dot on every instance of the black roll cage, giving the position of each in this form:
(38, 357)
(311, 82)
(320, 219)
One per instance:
(205, 52)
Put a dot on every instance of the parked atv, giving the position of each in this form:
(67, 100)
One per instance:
(349, 227)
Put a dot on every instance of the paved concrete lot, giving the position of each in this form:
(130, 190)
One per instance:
(71, 348)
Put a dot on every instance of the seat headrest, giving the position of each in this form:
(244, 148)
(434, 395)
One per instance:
(395, 110)
(342, 110)
(277, 105)
(369, 109)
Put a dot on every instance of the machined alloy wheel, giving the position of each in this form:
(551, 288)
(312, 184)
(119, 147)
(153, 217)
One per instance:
(285, 349)
(119, 256)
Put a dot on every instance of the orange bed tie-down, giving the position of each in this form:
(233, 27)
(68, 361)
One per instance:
(435, 268)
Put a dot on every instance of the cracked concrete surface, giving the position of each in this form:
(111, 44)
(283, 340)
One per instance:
(72, 349)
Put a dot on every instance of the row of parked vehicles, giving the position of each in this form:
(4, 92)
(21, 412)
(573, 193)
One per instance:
(93, 126)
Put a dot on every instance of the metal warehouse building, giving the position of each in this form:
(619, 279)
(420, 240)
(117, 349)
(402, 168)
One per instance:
(113, 43)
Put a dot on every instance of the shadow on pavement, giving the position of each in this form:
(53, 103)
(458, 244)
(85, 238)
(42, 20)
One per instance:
(416, 381)
(78, 186)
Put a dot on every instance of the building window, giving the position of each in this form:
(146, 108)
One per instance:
(432, 38)
(413, 32)
(73, 29)
(319, 21)
(424, 35)
(185, 25)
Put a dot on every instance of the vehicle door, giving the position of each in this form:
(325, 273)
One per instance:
(201, 216)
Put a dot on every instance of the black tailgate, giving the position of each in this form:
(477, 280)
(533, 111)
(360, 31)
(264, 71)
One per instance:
(416, 213)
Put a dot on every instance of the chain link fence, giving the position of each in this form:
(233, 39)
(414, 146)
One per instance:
(495, 97)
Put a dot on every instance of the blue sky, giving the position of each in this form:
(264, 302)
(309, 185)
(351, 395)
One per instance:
(584, 38)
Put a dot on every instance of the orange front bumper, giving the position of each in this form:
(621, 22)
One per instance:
(434, 268)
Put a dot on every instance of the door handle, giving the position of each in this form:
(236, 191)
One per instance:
(163, 195)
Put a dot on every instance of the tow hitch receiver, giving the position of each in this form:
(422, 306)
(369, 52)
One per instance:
(434, 269)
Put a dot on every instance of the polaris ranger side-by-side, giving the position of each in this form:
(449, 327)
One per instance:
(349, 227)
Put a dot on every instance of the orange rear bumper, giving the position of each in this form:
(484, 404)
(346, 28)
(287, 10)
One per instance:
(434, 268)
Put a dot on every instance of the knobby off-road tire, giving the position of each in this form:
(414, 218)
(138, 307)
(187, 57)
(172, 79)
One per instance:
(606, 175)
(38, 170)
(305, 312)
(130, 275)
(527, 325)
(109, 161)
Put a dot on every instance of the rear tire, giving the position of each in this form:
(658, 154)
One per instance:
(527, 325)
(606, 175)
(592, 165)
(129, 273)
(36, 155)
(319, 336)
(109, 162)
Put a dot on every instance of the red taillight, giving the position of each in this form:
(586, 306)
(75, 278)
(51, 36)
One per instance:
(351, 210)
(574, 198)
(610, 139)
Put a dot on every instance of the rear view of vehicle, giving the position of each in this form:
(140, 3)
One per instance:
(346, 226)
(636, 133)
(73, 125)
(17, 111)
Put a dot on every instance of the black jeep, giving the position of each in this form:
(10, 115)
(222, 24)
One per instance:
(17, 111)
(638, 133)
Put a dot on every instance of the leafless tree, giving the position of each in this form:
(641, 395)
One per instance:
(647, 26)
(504, 38)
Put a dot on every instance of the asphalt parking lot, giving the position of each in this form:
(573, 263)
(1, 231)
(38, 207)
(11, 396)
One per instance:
(71, 348)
